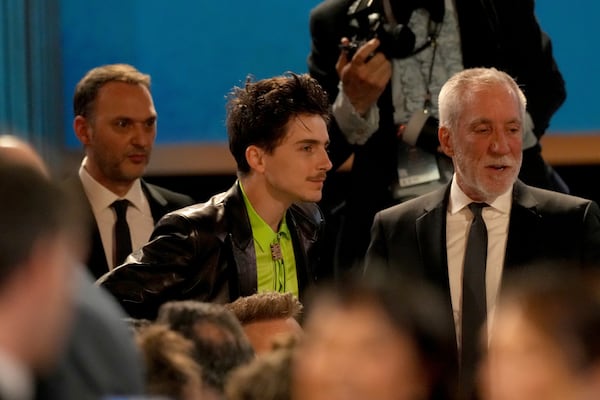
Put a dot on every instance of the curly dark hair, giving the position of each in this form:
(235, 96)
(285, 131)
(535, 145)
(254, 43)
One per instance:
(258, 113)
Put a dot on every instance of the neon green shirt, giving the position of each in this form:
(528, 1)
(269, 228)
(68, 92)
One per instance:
(272, 275)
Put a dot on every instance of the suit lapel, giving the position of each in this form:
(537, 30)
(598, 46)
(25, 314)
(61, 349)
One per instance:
(96, 260)
(157, 202)
(301, 243)
(522, 229)
(242, 244)
(431, 234)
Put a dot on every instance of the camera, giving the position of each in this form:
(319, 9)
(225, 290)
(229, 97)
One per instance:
(388, 22)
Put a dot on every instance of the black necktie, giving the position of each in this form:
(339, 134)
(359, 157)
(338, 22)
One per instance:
(122, 241)
(474, 304)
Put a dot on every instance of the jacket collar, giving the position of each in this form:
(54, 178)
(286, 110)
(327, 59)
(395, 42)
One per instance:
(523, 226)
(431, 234)
(156, 200)
(303, 229)
(236, 217)
(299, 218)
(431, 230)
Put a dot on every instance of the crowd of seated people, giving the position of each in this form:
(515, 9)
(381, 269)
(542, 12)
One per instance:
(378, 335)
(226, 299)
(384, 337)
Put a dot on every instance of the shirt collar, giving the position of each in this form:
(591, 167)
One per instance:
(261, 231)
(101, 198)
(459, 200)
(16, 381)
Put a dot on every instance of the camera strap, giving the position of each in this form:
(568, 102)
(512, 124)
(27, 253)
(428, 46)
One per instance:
(389, 13)
(434, 30)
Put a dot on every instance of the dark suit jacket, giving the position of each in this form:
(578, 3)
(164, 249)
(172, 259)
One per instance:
(101, 358)
(206, 252)
(493, 33)
(161, 201)
(544, 227)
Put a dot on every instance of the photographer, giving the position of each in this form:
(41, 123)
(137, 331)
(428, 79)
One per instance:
(383, 62)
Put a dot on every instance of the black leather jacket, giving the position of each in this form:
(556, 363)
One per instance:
(206, 252)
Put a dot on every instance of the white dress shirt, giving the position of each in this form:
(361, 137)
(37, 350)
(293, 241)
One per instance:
(16, 382)
(139, 215)
(458, 223)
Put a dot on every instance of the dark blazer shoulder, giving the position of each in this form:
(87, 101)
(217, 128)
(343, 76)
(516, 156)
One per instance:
(547, 200)
(309, 212)
(205, 215)
(550, 226)
(73, 186)
(163, 200)
(412, 208)
(100, 357)
(220, 215)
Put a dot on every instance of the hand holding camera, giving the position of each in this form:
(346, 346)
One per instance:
(364, 75)
(388, 22)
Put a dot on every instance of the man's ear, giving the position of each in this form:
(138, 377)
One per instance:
(82, 129)
(255, 158)
(445, 141)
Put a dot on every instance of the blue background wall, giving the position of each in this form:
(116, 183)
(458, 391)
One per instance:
(196, 51)
(575, 32)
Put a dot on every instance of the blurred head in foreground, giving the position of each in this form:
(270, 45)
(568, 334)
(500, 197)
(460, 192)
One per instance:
(545, 338)
(375, 337)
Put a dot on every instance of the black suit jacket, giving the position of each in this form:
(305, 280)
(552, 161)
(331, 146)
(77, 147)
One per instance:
(544, 228)
(493, 33)
(206, 252)
(101, 358)
(161, 201)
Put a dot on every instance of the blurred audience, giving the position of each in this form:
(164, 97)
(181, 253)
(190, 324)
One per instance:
(100, 358)
(375, 337)
(268, 318)
(171, 367)
(265, 378)
(16, 150)
(37, 274)
(545, 338)
(220, 342)
(136, 324)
